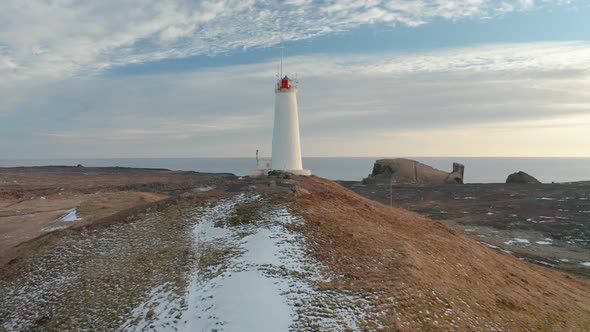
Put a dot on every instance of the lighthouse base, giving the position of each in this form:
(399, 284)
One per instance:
(304, 172)
(265, 172)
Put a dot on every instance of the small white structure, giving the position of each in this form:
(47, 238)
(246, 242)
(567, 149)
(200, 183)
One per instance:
(286, 146)
(263, 166)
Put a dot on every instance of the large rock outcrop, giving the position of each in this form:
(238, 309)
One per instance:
(407, 171)
(522, 178)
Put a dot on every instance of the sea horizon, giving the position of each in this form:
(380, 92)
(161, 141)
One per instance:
(477, 169)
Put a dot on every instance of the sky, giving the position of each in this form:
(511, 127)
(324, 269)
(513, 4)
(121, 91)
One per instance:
(385, 78)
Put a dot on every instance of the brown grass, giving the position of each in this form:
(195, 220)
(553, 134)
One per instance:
(440, 278)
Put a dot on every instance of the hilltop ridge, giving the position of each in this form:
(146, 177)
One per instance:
(440, 278)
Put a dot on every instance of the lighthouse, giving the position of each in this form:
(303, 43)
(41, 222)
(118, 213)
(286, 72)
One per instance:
(286, 145)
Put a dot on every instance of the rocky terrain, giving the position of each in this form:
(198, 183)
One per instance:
(216, 252)
(547, 224)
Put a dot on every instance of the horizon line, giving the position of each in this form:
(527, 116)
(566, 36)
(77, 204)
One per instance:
(309, 157)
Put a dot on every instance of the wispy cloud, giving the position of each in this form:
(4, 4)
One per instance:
(349, 105)
(510, 58)
(154, 127)
(64, 38)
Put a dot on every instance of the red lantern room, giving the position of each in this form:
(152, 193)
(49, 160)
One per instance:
(285, 83)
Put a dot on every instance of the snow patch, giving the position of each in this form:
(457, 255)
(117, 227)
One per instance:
(490, 245)
(543, 242)
(54, 228)
(495, 247)
(71, 215)
(203, 189)
(540, 262)
(518, 240)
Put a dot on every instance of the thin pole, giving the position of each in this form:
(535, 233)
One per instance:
(391, 191)
(282, 51)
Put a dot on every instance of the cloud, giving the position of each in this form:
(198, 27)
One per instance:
(163, 128)
(443, 102)
(65, 38)
(509, 58)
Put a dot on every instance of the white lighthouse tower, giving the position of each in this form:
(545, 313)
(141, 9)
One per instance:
(286, 146)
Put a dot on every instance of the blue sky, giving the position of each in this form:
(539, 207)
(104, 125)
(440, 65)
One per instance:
(377, 78)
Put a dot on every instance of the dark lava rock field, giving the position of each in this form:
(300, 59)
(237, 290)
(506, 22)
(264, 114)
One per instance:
(548, 224)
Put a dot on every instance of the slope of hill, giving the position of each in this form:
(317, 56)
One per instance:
(440, 278)
(546, 224)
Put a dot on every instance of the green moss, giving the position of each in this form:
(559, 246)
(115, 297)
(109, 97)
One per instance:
(245, 213)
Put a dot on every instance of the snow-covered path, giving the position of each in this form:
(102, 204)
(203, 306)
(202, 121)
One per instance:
(254, 276)
(242, 294)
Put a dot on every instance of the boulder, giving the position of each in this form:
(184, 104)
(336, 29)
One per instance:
(407, 171)
(303, 192)
(521, 177)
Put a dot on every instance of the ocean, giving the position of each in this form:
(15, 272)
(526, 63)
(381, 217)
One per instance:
(477, 170)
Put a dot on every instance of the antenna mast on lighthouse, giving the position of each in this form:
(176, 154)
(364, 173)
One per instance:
(282, 54)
